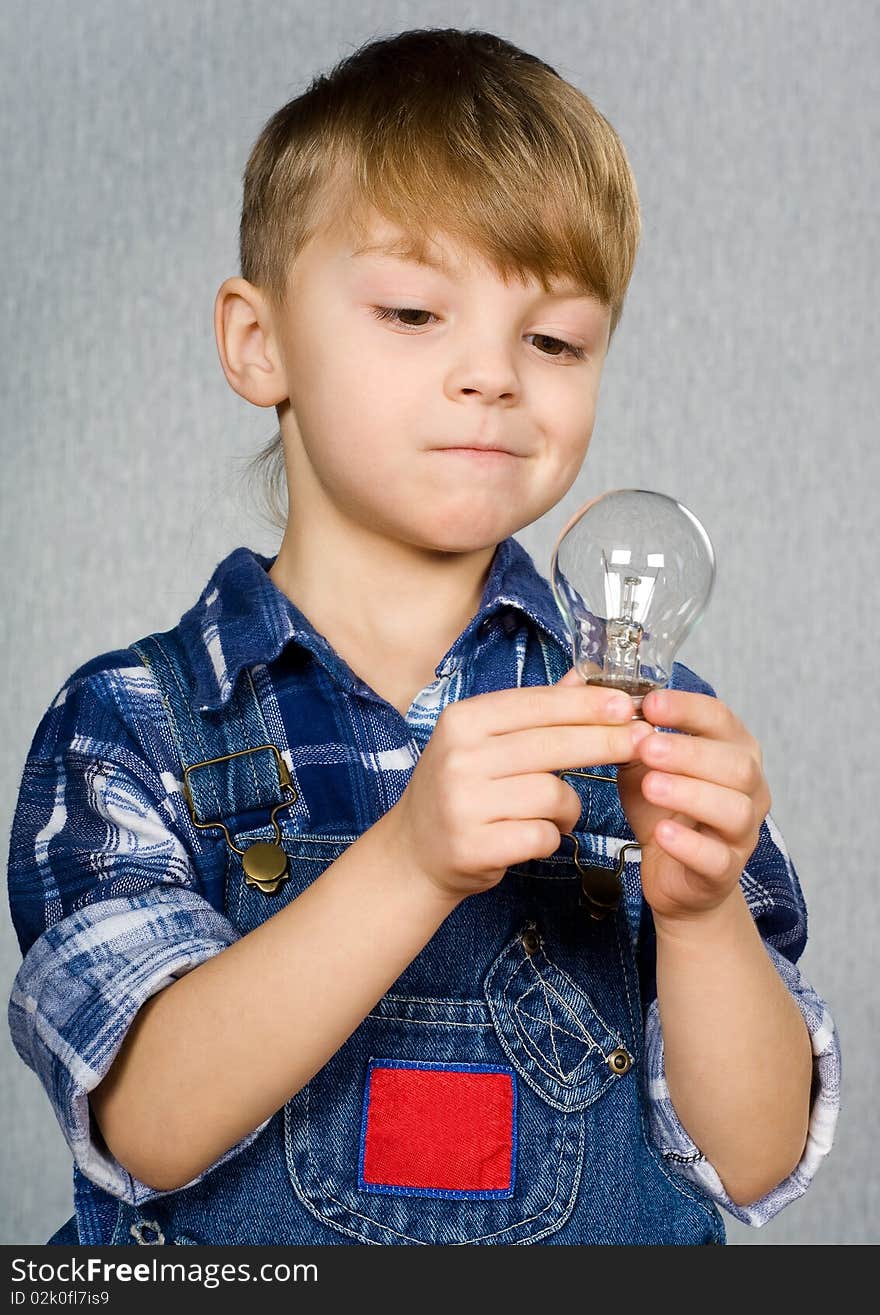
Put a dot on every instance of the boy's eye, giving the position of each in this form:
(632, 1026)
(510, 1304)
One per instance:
(565, 346)
(393, 314)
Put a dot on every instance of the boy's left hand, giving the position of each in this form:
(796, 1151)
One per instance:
(695, 802)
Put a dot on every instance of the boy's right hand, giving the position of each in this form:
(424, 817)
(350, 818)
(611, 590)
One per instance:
(483, 796)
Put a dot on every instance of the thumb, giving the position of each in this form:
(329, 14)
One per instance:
(571, 677)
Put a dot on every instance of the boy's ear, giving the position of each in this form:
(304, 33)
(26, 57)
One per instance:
(246, 343)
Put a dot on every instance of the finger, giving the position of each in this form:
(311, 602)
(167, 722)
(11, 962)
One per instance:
(571, 677)
(505, 843)
(704, 854)
(502, 711)
(532, 795)
(728, 812)
(695, 714)
(709, 760)
(559, 748)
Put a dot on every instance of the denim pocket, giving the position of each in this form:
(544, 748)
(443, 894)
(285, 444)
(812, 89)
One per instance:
(407, 1193)
(550, 1028)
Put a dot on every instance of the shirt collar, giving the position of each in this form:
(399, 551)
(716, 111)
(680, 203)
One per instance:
(242, 619)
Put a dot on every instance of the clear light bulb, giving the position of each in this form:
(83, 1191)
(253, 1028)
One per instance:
(631, 573)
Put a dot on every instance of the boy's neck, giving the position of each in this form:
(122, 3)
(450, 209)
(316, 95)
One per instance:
(391, 610)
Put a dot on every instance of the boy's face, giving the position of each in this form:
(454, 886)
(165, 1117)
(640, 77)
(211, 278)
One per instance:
(383, 406)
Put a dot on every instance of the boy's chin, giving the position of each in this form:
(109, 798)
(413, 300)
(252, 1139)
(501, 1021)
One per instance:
(459, 540)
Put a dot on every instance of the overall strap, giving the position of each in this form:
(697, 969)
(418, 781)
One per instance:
(230, 765)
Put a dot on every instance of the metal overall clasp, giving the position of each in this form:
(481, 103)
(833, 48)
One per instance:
(264, 862)
(601, 888)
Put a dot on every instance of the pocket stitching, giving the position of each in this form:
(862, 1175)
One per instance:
(593, 1044)
(565, 1076)
(537, 1058)
(426, 1022)
(540, 977)
(612, 1032)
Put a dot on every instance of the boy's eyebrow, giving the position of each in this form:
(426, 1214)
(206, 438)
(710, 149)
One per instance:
(394, 249)
(399, 253)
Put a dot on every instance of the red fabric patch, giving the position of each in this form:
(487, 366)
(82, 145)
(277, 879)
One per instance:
(440, 1129)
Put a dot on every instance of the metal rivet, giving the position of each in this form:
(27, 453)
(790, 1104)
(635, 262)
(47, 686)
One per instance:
(531, 940)
(620, 1061)
(137, 1231)
(265, 866)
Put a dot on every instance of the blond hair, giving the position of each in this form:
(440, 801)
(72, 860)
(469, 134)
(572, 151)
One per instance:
(442, 131)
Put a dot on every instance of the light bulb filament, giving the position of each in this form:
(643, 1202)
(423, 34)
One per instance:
(624, 634)
(628, 602)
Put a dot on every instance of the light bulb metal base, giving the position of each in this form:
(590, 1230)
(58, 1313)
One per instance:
(638, 692)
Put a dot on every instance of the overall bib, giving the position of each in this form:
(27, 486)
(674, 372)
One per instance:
(492, 1096)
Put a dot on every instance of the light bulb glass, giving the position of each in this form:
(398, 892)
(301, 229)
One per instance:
(631, 573)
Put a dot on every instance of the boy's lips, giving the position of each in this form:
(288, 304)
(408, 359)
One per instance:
(478, 449)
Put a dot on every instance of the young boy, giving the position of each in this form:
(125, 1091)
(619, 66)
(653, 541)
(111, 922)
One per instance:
(304, 956)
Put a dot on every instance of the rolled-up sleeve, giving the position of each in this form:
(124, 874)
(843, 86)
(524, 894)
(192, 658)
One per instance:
(772, 891)
(684, 1157)
(108, 911)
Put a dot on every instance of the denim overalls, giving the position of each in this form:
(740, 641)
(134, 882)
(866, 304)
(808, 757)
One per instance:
(492, 1096)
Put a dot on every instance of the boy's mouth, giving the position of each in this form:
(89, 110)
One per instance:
(480, 450)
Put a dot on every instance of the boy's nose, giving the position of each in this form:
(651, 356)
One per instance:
(490, 375)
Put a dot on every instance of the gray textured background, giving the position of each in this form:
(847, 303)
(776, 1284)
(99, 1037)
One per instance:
(738, 382)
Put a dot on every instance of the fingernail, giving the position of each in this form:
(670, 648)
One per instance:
(639, 732)
(659, 703)
(619, 705)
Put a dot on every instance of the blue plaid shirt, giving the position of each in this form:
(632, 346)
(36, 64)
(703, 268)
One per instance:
(103, 883)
